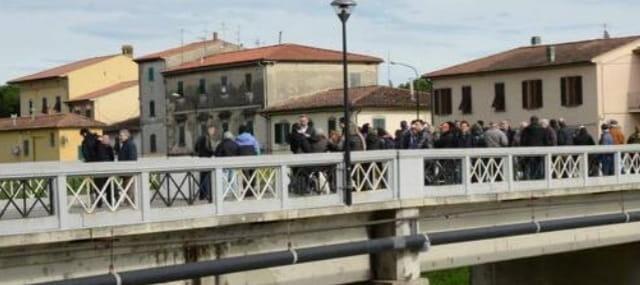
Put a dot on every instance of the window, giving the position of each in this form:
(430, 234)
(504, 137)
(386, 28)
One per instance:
(248, 82)
(532, 94)
(153, 147)
(499, 104)
(45, 106)
(379, 123)
(181, 136)
(152, 109)
(442, 101)
(249, 125)
(223, 84)
(52, 139)
(150, 74)
(180, 88)
(282, 131)
(332, 124)
(88, 113)
(202, 86)
(466, 105)
(571, 91)
(25, 147)
(58, 106)
(30, 107)
(354, 79)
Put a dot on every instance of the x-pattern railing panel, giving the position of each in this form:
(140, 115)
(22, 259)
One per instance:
(567, 166)
(369, 176)
(630, 163)
(245, 183)
(171, 188)
(25, 198)
(487, 170)
(91, 193)
(312, 180)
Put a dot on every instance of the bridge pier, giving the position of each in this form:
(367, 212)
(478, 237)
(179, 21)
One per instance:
(398, 267)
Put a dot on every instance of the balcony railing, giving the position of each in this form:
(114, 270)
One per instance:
(53, 196)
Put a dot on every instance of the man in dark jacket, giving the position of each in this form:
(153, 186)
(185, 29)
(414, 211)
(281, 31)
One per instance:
(321, 142)
(204, 148)
(400, 133)
(565, 134)
(247, 143)
(104, 153)
(418, 137)
(128, 150)
(370, 137)
(465, 139)
(227, 147)
(534, 135)
(88, 146)
(447, 136)
(298, 141)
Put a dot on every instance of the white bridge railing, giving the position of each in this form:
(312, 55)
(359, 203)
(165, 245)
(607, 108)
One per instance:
(48, 196)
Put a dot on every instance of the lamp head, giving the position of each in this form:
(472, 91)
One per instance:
(343, 8)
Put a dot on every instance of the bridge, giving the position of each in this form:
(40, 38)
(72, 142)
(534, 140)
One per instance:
(283, 217)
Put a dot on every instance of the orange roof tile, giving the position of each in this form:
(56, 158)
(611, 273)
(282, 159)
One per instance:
(178, 50)
(63, 70)
(373, 96)
(106, 91)
(281, 52)
(58, 121)
(536, 56)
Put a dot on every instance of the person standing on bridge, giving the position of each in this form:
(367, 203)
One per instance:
(88, 145)
(204, 148)
(606, 160)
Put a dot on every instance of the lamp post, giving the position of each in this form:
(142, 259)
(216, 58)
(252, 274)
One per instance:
(343, 9)
(411, 85)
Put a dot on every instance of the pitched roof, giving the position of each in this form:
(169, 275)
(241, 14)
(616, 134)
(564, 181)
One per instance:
(373, 96)
(536, 56)
(131, 124)
(69, 120)
(106, 91)
(63, 70)
(281, 52)
(178, 50)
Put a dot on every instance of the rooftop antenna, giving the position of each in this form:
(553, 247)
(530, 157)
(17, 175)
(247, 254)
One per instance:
(606, 32)
(204, 48)
(238, 36)
(280, 37)
(389, 68)
(223, 29)
(181, 46)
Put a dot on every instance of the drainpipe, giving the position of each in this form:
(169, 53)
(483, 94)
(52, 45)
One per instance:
(326, 252)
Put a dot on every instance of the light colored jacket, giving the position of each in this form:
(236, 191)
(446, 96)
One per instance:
(494, 137)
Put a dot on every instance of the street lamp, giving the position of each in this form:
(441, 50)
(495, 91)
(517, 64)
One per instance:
(344, 8)
(411, 85)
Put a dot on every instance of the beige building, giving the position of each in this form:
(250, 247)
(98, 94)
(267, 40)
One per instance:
(231, 89)
(380, 106)
(586, 83)
(99, 88)
(153, 96)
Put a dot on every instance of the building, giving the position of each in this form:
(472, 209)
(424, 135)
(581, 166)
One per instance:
(152, 90)
(230, 89)
(88, 87)
(586, 83)
(44, 137)
(380, 106)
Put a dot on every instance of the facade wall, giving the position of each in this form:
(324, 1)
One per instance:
(65, 145)
(287, 80)
(100, 75)
(619, 86)
(153, 91)
(117, 107)
(34, 91)
(483, 94)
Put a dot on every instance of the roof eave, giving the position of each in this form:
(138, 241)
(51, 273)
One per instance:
(431, 76)
(18, 81)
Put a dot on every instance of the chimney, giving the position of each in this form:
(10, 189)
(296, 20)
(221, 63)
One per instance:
(127, 50)
(215, 36)
(536, 40)
(551, 54)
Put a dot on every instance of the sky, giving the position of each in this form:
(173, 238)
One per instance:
(427, 34)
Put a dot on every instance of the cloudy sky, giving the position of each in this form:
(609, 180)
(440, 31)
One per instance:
(429, 34)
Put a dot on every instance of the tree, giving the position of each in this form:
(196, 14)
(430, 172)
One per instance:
(420, 84)
(9, 100)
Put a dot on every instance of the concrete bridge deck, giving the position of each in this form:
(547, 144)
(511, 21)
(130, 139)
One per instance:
(280, 201)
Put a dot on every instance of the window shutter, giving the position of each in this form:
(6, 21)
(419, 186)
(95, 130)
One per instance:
(278, 131)
(539, 94)
(525, 95)
(436, 102)
(578, 90)
(563, 91)
(287, 132)
(449, 102)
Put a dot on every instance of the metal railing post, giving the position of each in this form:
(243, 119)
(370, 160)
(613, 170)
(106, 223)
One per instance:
(61, 200)
(466, 173)
(219, 190)
(548, 163)
(585, 168)
(144, 195)
(509, 172)
(284, 186)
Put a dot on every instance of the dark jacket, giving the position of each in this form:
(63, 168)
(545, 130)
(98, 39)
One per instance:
(534, 135)
(203, 147)
(321, 144)
(299, 143)
(373, 142)
(128, 151)
(387, 143)
(465, 140)
(447, 140)
(247, 144)
(89, 148)
(565, 136)
(104, 152)
(551, 136)
(583, 138)
(226, 148)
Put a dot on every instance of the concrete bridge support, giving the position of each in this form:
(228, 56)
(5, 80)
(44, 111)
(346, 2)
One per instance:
(618, 265)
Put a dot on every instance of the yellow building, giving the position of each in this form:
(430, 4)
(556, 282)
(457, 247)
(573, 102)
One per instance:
(43, 137)
(88, 87)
